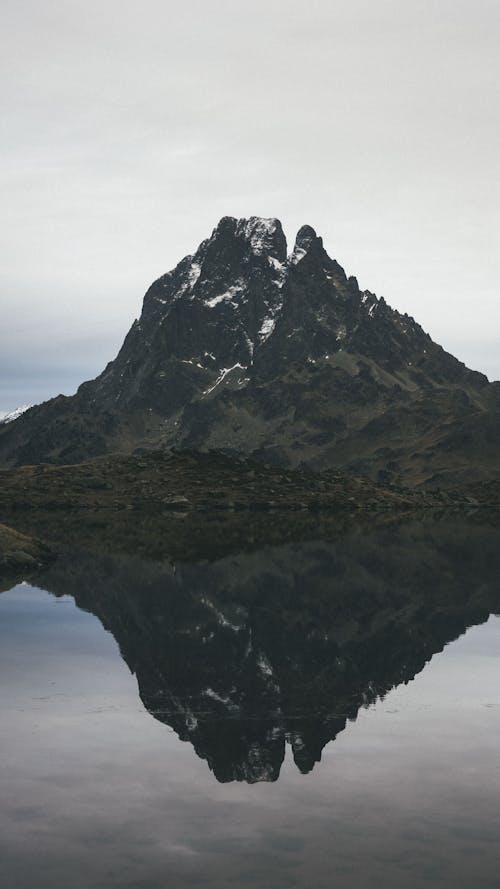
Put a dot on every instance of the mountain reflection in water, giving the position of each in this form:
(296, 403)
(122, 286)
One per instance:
(285, 643)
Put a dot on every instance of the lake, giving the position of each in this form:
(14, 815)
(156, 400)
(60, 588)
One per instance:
(314, 713)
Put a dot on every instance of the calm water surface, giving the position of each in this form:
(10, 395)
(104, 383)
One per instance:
(323, 714)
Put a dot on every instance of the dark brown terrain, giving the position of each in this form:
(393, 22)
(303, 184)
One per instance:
(20, 554)
(165, 481)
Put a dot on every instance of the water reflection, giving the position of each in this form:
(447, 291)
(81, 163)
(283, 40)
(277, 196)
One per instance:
(281, 644)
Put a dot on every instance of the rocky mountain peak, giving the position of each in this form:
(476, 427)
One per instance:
(258, 235)
(245, 349)
(311, 258)
(306, 238)
(265, 236)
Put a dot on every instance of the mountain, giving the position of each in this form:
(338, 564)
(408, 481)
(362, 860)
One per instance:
(248, 349)
(246, 652)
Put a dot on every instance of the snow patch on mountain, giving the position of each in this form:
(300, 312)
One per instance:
(222, 376)
(227, 296)
(194, 273)
(297, 255)
(250, 344)
(269, 321)
(10, 416)
(280, 268)
(267, 327)
(264, 665)
(221, 699)
(221, 618)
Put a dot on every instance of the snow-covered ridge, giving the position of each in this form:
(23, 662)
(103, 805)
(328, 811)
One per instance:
(10, 416)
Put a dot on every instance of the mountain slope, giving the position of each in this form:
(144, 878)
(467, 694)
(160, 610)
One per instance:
(244, 348)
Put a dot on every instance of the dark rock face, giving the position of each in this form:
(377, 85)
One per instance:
(246, 349)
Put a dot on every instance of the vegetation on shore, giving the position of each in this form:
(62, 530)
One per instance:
(171, 480)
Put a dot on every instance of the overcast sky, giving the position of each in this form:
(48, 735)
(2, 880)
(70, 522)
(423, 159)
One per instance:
(130, 128)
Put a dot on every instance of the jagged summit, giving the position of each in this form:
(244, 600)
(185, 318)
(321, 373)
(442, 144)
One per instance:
(306, 238)
(247, 348)
(257, 234)
(265, 236)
